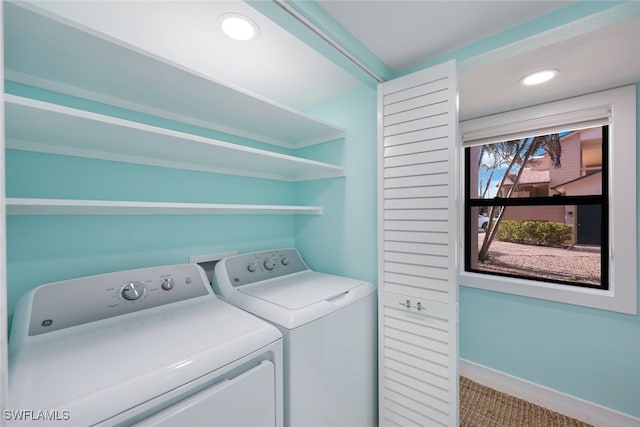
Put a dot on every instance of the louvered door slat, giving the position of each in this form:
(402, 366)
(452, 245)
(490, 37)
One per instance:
(417, 270)
(416, 248)
(432, 260)
(418, 411)
(394, 419)
(402, 388)
(416, 236)
(432, 110)
(420, 282)
(415, 125)
(412, 192)
(417, 203)
(416, 147)
(420, 169)
(439, 348)
(417, 289)
(416, 158)
(437, 134)
(434, 226)
(418, 374)
(417, 181)
(396, 416)
(402, 92)
(417, 383)
(438, 95)
(438, 360)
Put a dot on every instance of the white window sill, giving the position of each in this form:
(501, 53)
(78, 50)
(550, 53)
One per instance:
(588, 297)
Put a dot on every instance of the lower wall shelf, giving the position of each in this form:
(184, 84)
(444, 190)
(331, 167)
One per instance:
(20, 206)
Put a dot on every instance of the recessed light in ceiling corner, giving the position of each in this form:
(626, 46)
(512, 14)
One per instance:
(539, 77)
(238, 26)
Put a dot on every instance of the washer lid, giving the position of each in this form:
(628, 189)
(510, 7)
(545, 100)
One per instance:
(296, 299)
(300, 290)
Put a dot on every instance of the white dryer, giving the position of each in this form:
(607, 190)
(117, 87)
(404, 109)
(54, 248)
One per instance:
(329, 328)
(147, 347)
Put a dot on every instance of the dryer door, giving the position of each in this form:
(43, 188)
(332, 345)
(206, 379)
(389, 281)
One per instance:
(219, 405)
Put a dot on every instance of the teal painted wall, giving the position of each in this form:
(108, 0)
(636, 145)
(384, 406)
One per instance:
(42, 249)
(344, 239)
(592, 354)
(588, 353)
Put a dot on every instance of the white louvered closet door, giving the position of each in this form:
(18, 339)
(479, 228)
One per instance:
(418, 320)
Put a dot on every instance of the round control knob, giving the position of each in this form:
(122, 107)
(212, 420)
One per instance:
(252, 267)
(132, 291)
(269, 264)
(284, 260)
(167, 284)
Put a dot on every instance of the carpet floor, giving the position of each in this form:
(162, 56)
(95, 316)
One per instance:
(481, 406)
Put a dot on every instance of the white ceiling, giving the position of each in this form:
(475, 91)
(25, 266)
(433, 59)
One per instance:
(275, 65)
(594, 61)
(401, 33)
(591, 56)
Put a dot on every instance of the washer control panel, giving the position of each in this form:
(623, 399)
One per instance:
(254, 267)
(74, 302)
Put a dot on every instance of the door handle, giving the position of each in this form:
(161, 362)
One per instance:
(407, 304)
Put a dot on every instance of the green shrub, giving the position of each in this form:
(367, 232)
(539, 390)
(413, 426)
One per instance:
(540, 233)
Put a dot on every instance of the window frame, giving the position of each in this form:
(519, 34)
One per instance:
(601, 200)
(621, 295)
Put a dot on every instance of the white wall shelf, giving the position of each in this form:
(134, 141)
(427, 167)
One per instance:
(43, 127)
(81, 62)
(23, 206)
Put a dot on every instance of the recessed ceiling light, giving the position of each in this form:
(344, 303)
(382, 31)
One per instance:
(238, 26)
(538, 77)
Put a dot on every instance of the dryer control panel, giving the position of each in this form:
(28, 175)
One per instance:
(253, 267)
(75, 302)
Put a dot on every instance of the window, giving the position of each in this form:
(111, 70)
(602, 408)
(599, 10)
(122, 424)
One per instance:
(542, 208)
(544, 213)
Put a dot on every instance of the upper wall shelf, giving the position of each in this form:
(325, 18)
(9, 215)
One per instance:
(40, 126)
(54, 54)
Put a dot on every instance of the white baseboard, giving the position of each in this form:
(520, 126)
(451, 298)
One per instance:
(563, 403)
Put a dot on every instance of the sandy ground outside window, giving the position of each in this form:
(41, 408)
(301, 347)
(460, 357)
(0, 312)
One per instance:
(580, 263)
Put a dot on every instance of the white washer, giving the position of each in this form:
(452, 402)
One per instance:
(329, 328)
(148, 347)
